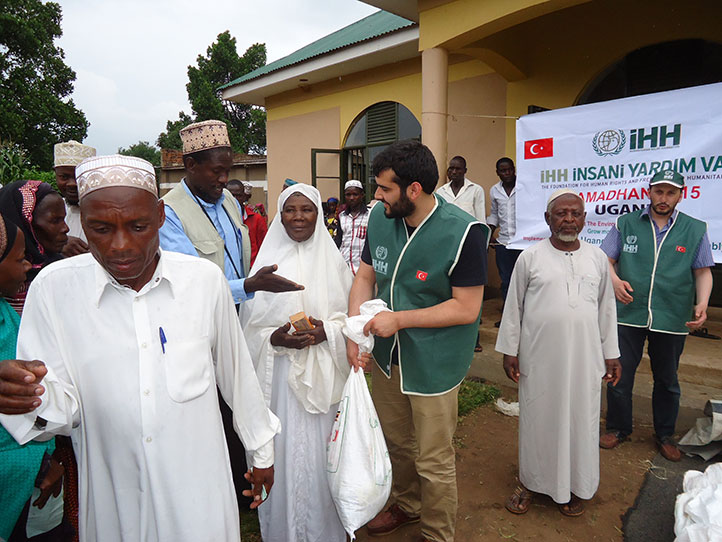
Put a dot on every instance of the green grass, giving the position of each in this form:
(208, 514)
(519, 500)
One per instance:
(250, 529)
(473, 393)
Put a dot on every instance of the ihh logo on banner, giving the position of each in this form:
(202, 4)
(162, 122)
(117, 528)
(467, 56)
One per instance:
(609, 142)
(655, 137)
(631, 245)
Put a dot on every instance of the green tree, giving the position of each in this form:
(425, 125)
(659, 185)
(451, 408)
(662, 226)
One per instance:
(12, 162)
(35, 82)
(170, 139)
(220, 65)
(144, 150)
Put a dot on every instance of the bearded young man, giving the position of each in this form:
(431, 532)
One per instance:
(427, 258)
(660, 263)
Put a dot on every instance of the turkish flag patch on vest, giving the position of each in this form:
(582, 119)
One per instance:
(421, 275)
(680, 248)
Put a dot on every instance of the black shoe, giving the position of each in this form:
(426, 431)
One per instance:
(497, 324)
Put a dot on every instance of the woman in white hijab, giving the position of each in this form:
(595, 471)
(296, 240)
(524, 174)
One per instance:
(301, 374)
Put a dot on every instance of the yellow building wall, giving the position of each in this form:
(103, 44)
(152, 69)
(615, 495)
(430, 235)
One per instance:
(563, 45)
(321, 118)
(290, 140)
(451, 24)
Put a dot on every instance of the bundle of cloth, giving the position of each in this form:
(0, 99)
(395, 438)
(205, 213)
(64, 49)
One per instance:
(698, 510)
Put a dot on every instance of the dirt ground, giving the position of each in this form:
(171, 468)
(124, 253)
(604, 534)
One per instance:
(487, 467)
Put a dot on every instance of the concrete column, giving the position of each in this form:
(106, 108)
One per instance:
(434, 103)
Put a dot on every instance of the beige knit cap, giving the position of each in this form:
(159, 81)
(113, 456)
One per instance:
(71, 153)
(200, 136)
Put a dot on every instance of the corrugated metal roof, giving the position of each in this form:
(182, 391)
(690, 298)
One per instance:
(370, 27)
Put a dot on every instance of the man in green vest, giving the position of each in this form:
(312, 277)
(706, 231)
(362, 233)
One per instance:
(662, 283)
(428, 260)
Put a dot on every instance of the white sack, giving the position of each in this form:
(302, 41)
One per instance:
(698, 510)
(358, 468)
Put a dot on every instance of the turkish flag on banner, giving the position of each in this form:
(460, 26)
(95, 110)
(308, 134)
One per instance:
(539, 148)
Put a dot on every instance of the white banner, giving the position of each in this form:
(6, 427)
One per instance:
(608, 152)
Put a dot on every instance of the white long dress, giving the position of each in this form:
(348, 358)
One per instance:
(302, 387)
(299, 507)
(560, 319)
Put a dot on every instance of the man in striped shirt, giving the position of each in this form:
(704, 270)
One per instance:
(353, 222)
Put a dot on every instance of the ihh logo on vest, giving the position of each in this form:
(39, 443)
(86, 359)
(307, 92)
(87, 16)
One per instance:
(379, 265)
(631, 245)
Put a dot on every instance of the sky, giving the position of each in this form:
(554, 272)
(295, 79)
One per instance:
(131, 56)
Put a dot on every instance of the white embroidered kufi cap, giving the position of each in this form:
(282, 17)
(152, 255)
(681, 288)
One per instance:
(563, 192)
(71, 153)
(353, 183)
(200, 136)
(114, 170)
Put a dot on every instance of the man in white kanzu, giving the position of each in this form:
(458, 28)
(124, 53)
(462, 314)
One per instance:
(66, 156)
(558, 336)
(132, 342)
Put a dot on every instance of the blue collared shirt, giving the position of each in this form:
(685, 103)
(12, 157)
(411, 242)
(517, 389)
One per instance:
(174, 238)
(612, 244)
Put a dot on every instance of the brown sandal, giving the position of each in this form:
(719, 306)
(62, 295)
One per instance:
(520, 501)
(573, 509)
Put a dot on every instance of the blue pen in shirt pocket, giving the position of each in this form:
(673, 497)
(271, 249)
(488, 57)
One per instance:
(163, 340)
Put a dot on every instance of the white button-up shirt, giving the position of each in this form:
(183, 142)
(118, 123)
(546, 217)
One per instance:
(72, 219)
(503, 212)
(470, 198)
(135, 374)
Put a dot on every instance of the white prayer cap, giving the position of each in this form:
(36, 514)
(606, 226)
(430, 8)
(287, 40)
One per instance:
(201, 136)
(71, 153)
(353, 183)
(247, 187)
(561, 192)
(114, 170)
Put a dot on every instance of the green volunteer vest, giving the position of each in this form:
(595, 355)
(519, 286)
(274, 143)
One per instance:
(201, 232)
(662, 277)
(413, 273)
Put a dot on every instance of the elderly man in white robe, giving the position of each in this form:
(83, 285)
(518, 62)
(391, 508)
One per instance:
(559, 339)
(133, 341)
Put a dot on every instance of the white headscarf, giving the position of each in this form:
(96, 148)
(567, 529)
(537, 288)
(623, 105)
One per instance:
(317, 373)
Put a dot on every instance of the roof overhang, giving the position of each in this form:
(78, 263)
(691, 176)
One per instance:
(408, 9)
(394, 47)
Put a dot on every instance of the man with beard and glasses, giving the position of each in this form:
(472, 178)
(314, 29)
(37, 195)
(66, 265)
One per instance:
(558, 337)
(663, 259)
(427, 258)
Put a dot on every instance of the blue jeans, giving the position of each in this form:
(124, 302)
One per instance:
(664, 351)
(505, 261)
